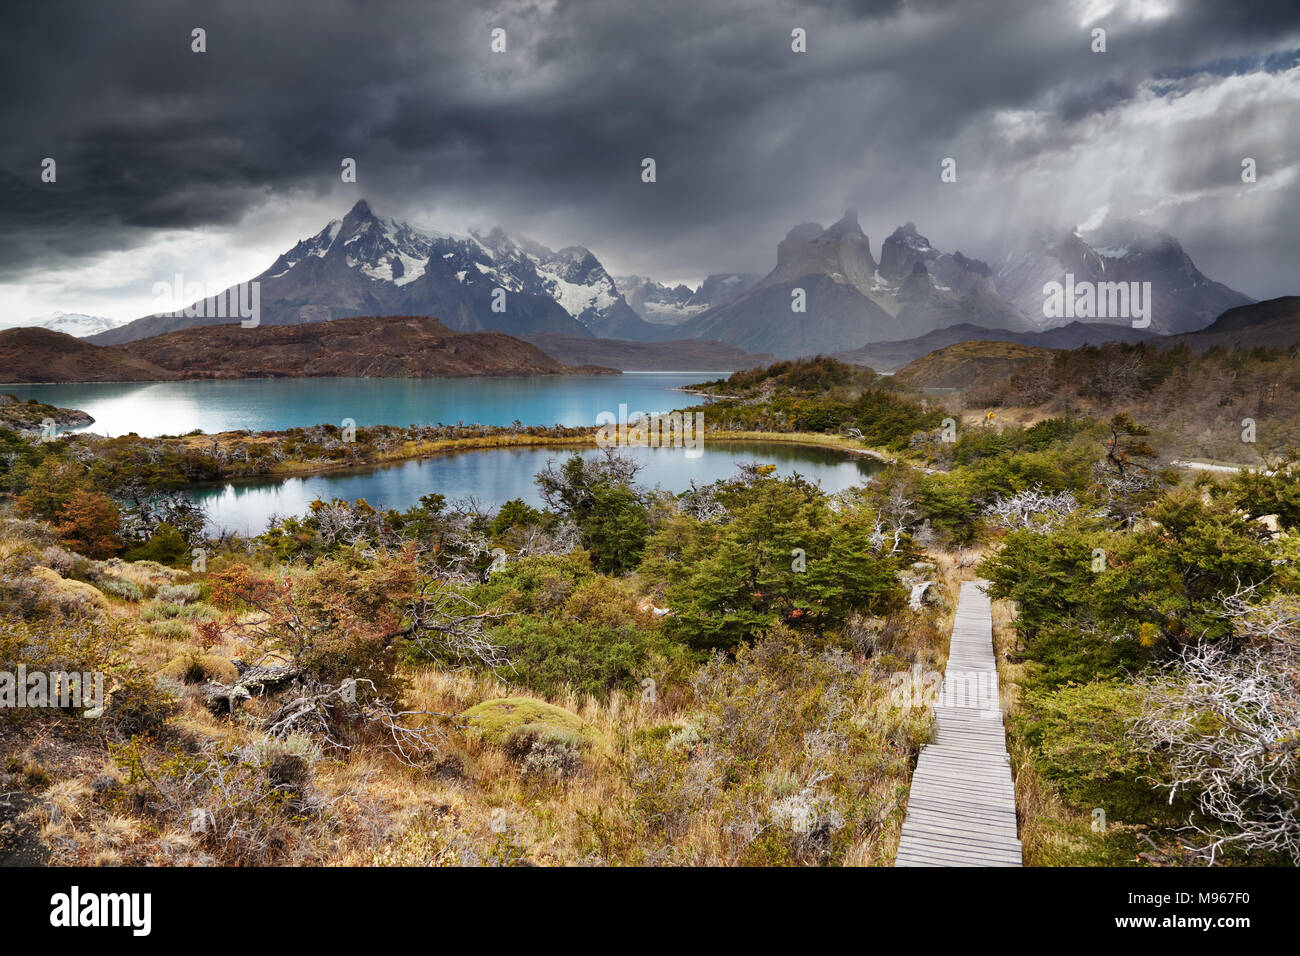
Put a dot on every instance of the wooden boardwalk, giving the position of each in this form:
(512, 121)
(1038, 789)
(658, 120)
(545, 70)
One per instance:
(962, 808)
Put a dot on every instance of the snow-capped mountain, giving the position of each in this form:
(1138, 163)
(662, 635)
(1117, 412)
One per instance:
(1183, 299)
(366, 265)
(664, 305)
(574, 278)
(362, 264)
(70, 323)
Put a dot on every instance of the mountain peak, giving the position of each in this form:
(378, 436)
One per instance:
(360, 210)
(847, 226)
(804, 231)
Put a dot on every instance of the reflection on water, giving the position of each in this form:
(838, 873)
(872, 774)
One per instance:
(493, 476)
(175, 408)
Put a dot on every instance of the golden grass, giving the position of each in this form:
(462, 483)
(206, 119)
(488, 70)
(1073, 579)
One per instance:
(471, 805)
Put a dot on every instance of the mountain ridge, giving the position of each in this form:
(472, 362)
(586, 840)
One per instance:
(362, 264)
(358, 346)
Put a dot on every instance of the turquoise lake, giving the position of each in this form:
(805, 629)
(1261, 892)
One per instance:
(174, 408)
(493, 476)
(490, 476)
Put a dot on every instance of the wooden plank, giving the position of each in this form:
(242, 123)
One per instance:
(961, 810)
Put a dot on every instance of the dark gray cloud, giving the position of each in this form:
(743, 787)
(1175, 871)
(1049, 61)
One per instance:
(749, 138)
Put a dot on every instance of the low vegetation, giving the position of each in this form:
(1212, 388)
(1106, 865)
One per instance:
(627, 677)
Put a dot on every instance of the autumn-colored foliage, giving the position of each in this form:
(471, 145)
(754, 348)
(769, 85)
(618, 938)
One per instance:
(88, 523)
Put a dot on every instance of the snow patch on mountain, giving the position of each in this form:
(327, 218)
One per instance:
(70, 323)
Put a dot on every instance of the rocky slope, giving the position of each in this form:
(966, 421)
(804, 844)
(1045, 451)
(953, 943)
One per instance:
(1273, 323)
(850, 299)
(42, 355)
(970, 365)
(1183, 298)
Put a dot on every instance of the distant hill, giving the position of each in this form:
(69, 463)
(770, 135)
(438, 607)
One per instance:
(364, 347)
(1273, 323)
(890, 356)
(970, 365)
(673, 355)
(43, 355)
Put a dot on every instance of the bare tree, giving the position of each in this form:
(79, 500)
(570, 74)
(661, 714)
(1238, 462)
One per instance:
(702, 504)
(1228, 724)
(450, 628)
(1032, 510)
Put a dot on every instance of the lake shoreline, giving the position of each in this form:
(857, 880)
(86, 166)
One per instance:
(487, 442)
(479, 475)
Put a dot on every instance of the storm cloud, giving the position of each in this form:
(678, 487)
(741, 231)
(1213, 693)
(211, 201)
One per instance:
(218, 161)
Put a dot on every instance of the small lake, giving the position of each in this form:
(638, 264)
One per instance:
(175, 408)
(494, 476)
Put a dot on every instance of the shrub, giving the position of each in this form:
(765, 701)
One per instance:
(252, 812)
(550, 654)
(548, 753)
(602, 602)
(88, 523)
(166, 545)
(497, 720)
(140, 705)
(342, 618)
(178, 593)
(58, 559)
(535, 584)
(171, 630)
(197, 668)
(1081, 739)
(126, 590)
(735, 580)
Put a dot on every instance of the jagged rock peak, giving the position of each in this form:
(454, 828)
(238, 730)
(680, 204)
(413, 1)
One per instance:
(848, 225)
(360, 210)
(804, 231)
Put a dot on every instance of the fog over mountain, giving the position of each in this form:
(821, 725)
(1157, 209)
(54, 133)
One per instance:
(213, 164)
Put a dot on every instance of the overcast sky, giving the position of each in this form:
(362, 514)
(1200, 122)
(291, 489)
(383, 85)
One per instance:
(212, 164)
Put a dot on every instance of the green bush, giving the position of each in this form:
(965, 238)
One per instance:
(498, 720)
(550, 653)
(178, 593)
(535, 584)
(166, 546)
(736, 579)
(1080, 740)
